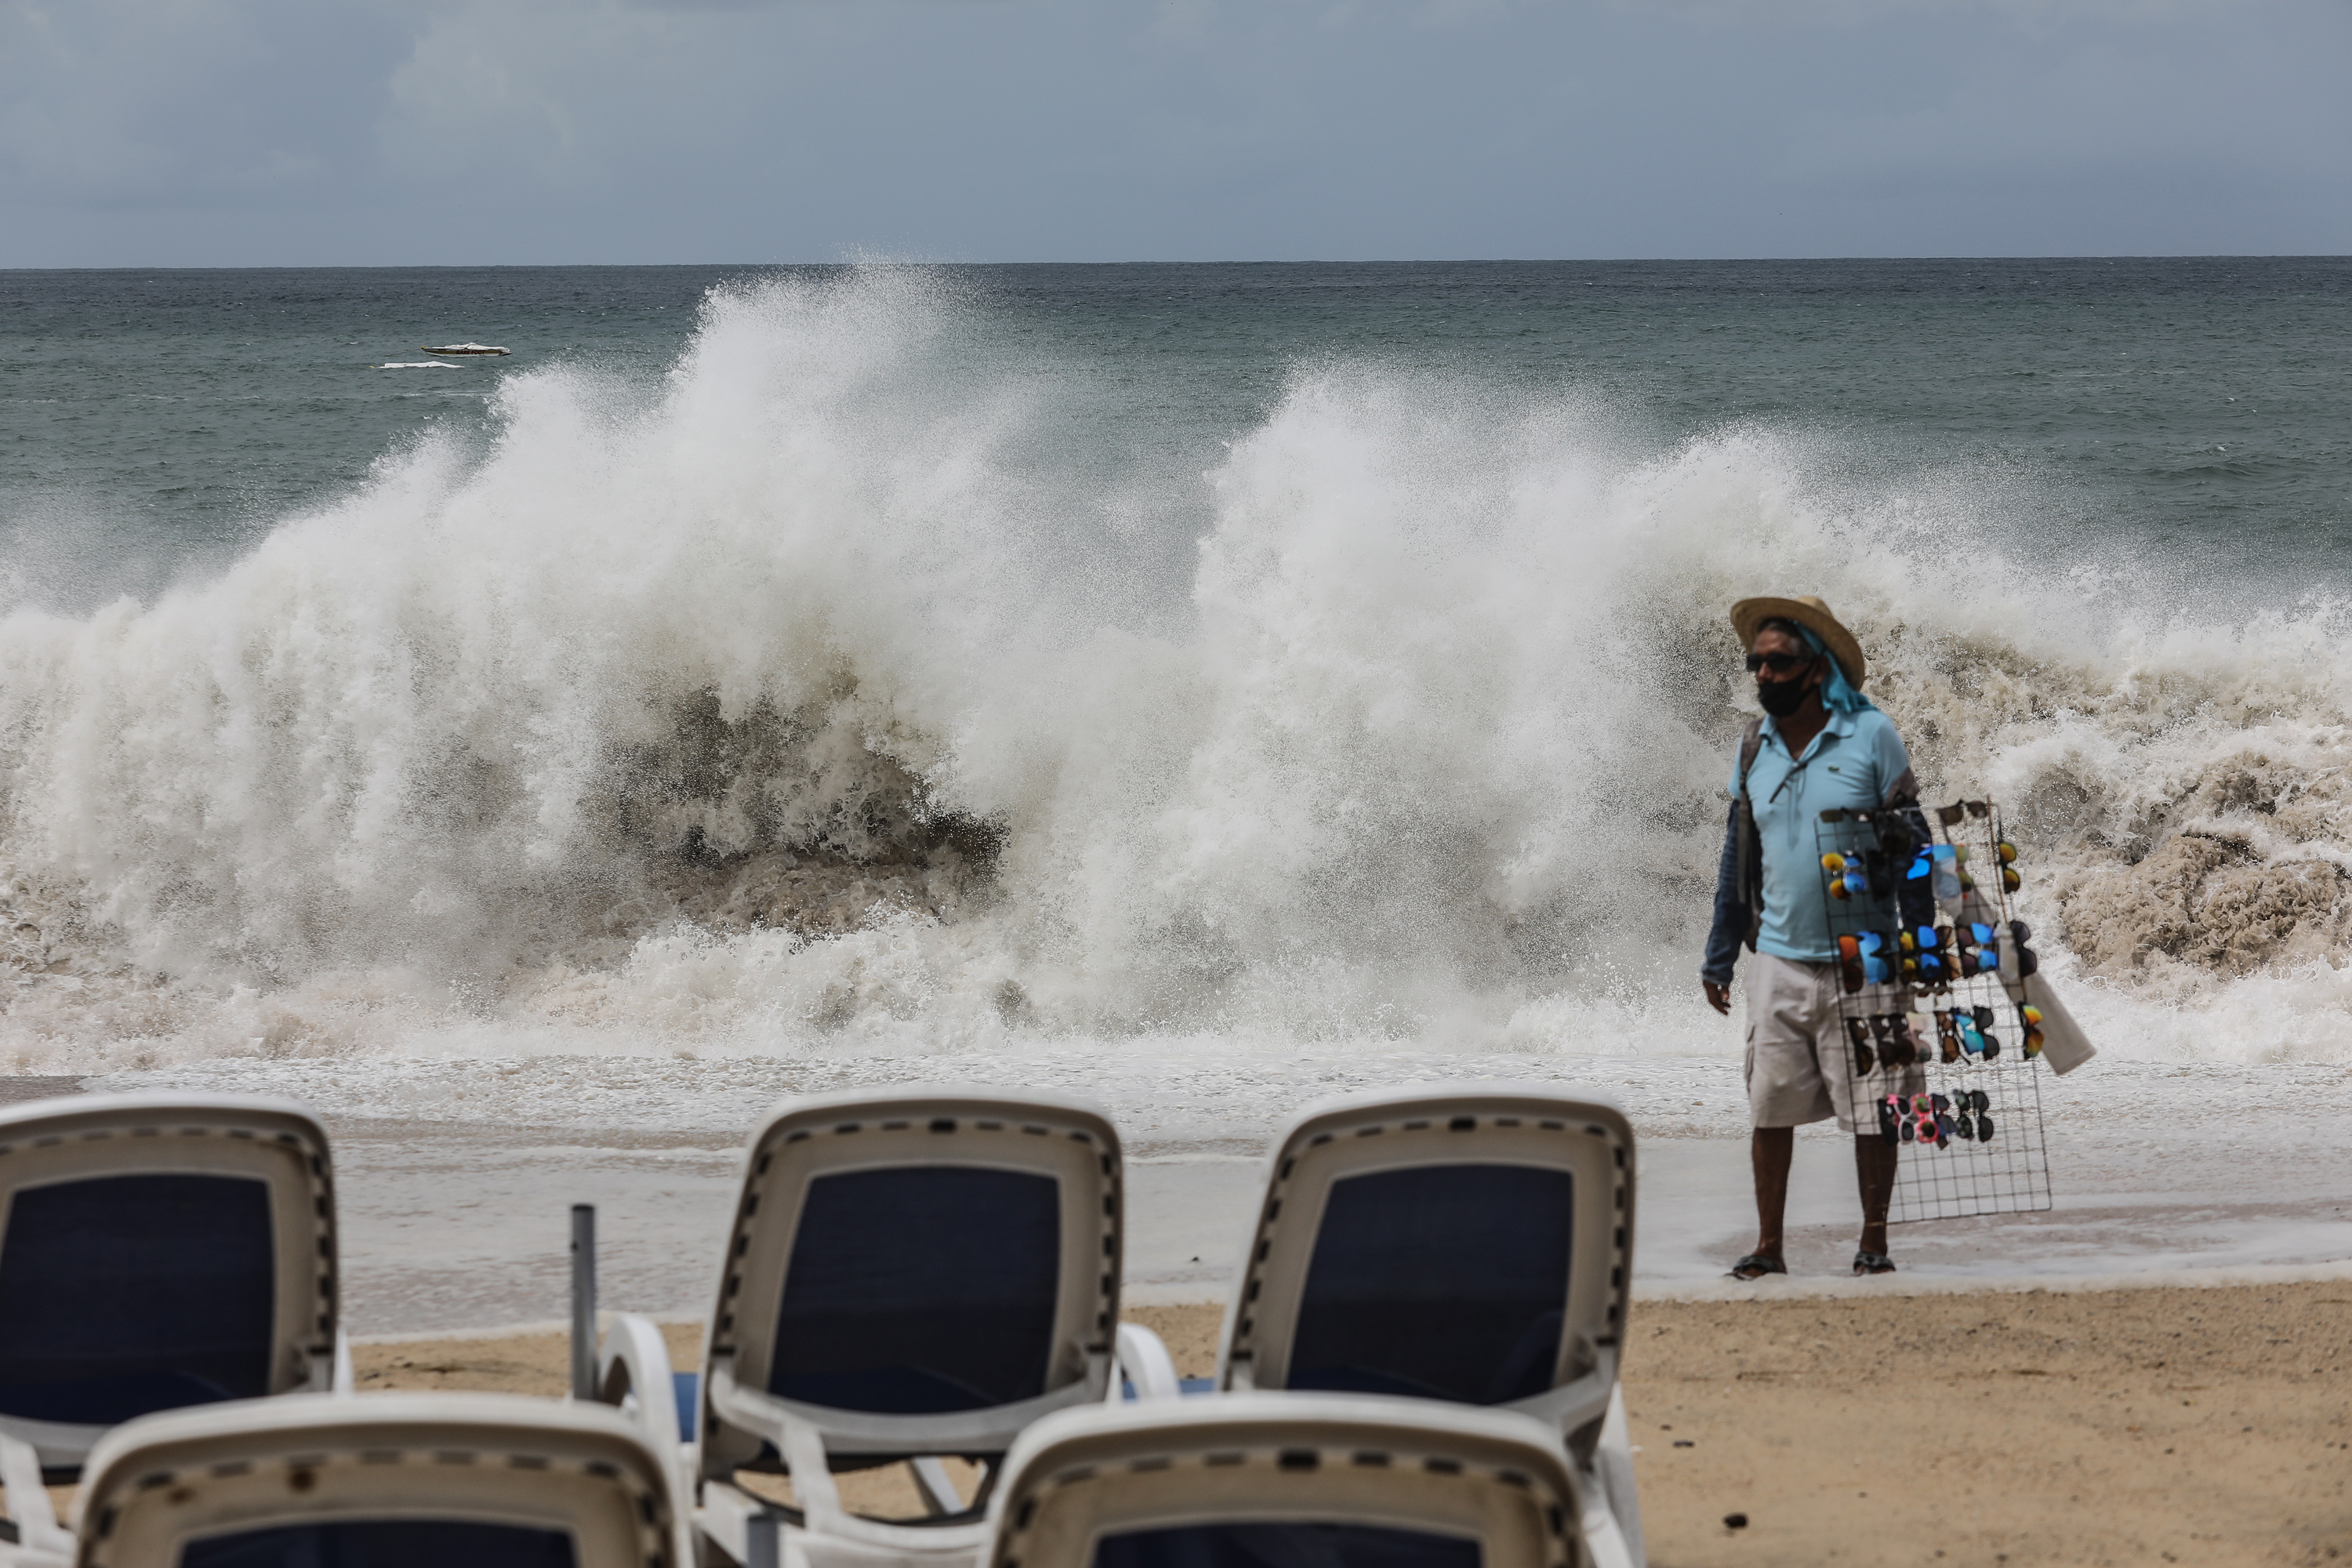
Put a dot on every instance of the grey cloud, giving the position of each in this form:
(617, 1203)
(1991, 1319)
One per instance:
(121, 102)
(624, 129)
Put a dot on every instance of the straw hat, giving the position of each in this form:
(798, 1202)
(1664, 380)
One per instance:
(1806, 611)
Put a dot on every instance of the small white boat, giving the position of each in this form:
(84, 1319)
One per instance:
(466, 348)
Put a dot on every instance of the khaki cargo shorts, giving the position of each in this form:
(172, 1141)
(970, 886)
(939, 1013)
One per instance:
(1800, 1067)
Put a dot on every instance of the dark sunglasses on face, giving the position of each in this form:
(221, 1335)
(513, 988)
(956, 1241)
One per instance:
(1778, 663)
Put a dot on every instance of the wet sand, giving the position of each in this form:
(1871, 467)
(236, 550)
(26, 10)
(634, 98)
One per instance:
(2126, 1426)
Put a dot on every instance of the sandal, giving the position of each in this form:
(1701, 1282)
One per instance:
(1755, 1265)
(1872, 1263)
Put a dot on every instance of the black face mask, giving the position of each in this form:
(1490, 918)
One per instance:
(1781, 698)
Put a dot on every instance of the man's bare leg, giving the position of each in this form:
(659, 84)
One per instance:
(1769, 1152)
(1873, 1171)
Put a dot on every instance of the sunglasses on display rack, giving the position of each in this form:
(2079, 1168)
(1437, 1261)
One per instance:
(2032, 1019)
(1849, 877)
(1940, 865)
(1923, 946)
(1947, 1038)
(1907, 1052)
(1909, 1118)
(1978, 1100)
(1983, 1016)
(1866, 959)
(1971, 1041)
(1896, 1046)
(1953, 815)
(1977, 946)
(1866, 1060)
(1933, 1118)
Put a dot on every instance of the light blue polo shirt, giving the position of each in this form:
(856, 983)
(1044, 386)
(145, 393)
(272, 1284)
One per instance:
(1851, 764)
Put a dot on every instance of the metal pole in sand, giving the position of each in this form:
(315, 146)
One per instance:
(583, 1300)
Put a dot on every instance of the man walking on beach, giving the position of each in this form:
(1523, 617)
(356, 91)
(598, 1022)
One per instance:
(1821, 745)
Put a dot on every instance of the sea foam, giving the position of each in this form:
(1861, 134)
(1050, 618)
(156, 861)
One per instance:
(780, 708)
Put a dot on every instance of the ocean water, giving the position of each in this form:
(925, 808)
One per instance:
(1160, 680)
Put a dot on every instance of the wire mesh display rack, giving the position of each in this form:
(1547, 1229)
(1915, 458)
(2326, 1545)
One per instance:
(1939, 1054)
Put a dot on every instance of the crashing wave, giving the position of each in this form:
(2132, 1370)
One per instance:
(782, 703)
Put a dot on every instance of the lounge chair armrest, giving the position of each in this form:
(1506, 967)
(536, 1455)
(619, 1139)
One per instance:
(344, 1381)
(1143, 1360)
(822, 1514)
(39, 1537)
(633, 1371)
(633, 1363)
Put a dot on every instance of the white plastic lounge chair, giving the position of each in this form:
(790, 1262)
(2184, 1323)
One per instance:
(1471, 1242)
(1272, 1480)
(452, 1481)
(158, 1251)
(909, 1276)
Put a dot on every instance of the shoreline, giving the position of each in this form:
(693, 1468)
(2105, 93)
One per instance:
(1144, 1302)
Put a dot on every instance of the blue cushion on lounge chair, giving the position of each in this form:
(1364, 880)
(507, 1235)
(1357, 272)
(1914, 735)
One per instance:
(122, 1295)
(1285, 1546)
(1437, 1282)
(384, 1543)
(916, 1291)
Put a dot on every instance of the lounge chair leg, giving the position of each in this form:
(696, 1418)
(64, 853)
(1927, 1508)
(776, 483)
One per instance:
(38, 1534)
(937, 1488)
(1613, 1459)
(763, 1543)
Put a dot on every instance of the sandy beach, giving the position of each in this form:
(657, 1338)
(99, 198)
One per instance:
(2123, 1427)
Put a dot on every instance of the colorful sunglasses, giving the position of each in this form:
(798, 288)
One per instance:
(1977, 946)
(1848, 877)
(1971, 1041)
(1984, 1031)
(1866, 958)
(1914, 1119)
(1926, 962)
(2032, 1017)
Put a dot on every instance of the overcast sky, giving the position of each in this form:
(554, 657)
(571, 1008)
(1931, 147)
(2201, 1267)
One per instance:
(150, 133)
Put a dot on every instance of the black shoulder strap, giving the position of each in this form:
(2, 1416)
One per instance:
(1750, 848)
